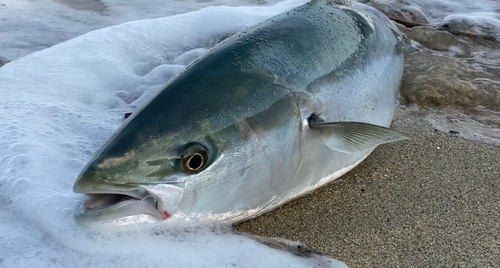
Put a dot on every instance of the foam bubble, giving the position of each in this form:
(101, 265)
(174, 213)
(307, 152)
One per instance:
(189, 56)
(162, 73)
(20, 183)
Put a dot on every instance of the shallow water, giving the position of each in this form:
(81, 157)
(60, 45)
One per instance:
(32, 25)
(104, 6)
(454, 77)
(439, 12)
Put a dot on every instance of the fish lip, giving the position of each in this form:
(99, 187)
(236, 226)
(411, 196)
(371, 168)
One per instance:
(126, 195)
(83, 187)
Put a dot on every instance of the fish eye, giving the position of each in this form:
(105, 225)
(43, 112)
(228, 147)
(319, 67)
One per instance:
(195, 162)
(194, 159)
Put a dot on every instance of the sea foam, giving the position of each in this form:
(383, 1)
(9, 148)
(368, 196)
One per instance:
(59, 105)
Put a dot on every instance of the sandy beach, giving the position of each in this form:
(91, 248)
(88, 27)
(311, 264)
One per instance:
(431, 201)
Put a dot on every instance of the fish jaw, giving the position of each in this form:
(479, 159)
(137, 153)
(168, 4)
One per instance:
(128, 204)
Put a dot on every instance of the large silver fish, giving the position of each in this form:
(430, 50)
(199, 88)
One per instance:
(268, 115)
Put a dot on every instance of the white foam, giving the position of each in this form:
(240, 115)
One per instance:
(59, 105)
(483, 126)
(438, 9)
(478, 22)
(480, 16)
(31, 25)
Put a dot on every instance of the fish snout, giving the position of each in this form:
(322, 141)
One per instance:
(111, 203)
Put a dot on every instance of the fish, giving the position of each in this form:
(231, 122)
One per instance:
(270, 114)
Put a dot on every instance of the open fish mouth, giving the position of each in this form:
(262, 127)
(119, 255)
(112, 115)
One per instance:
(102, 201)
(98, 202)
(132, 202)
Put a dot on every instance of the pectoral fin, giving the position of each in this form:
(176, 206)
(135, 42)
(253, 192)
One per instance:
(352, 137)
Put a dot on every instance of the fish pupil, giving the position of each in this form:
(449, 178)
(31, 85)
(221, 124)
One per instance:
(195, 162)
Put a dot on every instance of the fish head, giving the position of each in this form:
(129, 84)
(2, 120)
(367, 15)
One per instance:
(199, 150)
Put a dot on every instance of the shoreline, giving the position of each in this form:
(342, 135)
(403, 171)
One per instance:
(431, 201)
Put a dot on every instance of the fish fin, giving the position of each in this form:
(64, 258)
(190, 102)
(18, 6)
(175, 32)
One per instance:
(352, 137)
(314, 258)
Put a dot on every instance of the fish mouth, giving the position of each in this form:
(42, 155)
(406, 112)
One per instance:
(113, 201)
(103, 201)
(127, 204)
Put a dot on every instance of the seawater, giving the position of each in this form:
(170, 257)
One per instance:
(31, 25)
(454, 78)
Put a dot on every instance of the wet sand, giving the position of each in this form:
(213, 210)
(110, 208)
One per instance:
(432, 201)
